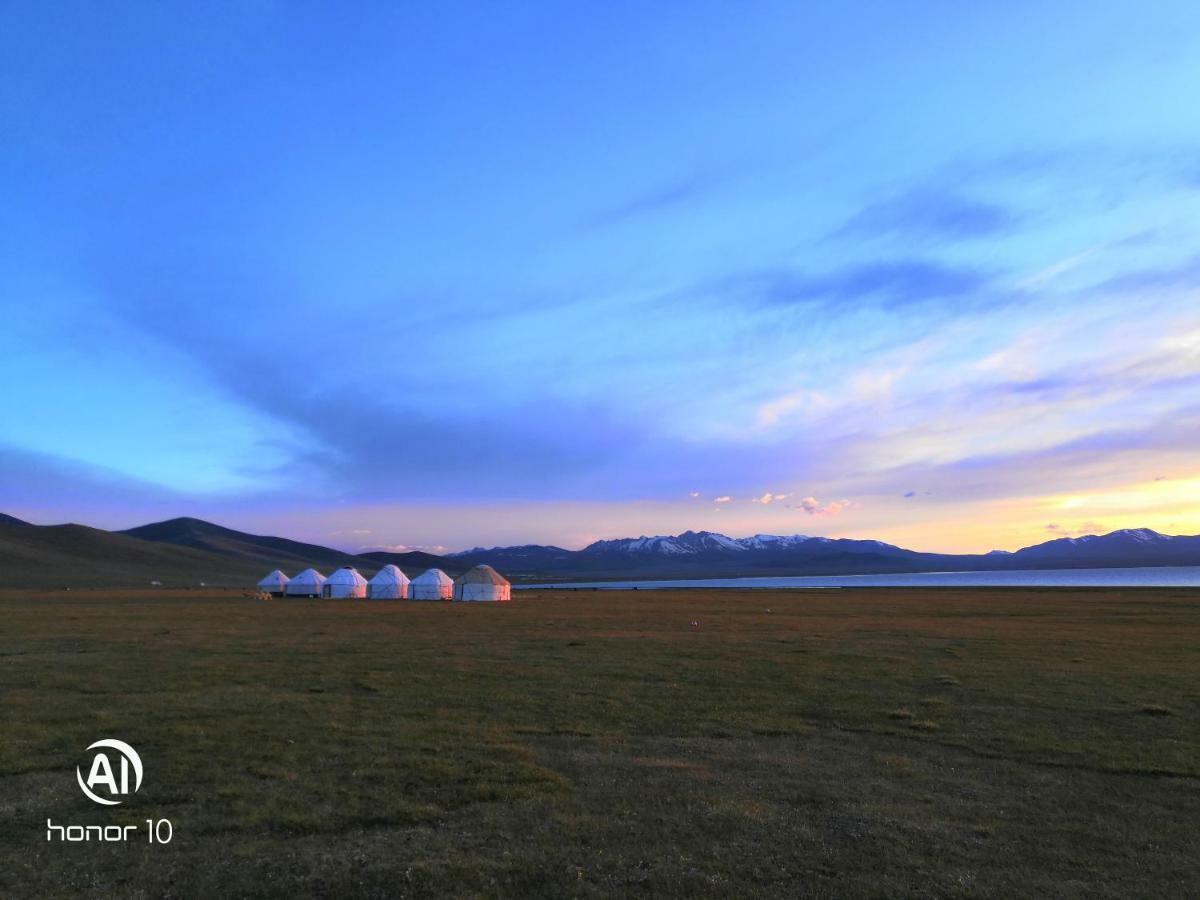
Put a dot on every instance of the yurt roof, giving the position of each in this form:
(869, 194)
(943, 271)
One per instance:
(309, 575)
(435, 576)
(483, 575)
(275, 576)
(389, 574)
(346, 575)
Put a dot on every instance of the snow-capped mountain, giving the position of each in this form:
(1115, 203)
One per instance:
(764, 541)
(669, 544)
(710, 554)
(1129, 546)
(699, 552)
(694, 542)
(663, 544)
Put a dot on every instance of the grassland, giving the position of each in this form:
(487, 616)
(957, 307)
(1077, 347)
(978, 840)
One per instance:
(989, 743)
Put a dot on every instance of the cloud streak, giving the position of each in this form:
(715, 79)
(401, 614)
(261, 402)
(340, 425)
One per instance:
(930, 215)
(890, 285)
(663, 198)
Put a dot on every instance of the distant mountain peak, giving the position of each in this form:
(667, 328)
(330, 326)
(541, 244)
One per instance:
(1142, 534)
(1138, 542)
(13, 520)
(694, 542)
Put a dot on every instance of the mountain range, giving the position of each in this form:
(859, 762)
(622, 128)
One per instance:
(696, 554)
(187, 551)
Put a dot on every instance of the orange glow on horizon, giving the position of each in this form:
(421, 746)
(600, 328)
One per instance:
(1167, 505)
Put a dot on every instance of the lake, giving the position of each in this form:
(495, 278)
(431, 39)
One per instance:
(1158, 576)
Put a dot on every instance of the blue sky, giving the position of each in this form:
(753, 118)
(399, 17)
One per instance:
(385, 276)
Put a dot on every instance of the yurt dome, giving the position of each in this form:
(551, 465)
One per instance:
(275, 583)
(483, 583)
(389, 583)
(307, 584)
(345, 582)
(433, 584)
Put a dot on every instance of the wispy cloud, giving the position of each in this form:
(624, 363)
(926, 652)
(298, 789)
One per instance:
(1185, 275)
(662, 198)
(891, 284)
(925, 214)
(1078, 531)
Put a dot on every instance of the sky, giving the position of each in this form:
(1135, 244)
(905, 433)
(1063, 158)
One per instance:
(398, 275)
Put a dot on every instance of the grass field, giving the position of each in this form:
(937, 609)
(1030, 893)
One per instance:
(681, 744)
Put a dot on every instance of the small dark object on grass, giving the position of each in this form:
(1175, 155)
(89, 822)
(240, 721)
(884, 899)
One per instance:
(1157, 709)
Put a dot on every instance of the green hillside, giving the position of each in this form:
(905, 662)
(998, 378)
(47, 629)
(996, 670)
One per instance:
(78, 556)
(177, 553)
(281, 553)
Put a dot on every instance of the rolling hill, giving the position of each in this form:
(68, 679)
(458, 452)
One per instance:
(78, 556)
(281, 553)
(178, 552)
(275, 552)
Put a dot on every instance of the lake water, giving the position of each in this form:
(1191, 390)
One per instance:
(1159, 576)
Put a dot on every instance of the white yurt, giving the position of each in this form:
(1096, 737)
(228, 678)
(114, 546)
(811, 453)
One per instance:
(274, 584)
(389, 583)
(307, 584)
(483, 583)
(432, 584)
(345, 582)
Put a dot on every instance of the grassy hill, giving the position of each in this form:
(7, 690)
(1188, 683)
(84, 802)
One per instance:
(281, 553)
(178, 553)
(78, 556)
